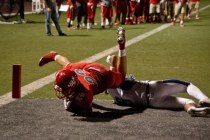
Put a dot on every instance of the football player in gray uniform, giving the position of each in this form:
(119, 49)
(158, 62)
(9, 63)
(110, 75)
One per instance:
(158, 94)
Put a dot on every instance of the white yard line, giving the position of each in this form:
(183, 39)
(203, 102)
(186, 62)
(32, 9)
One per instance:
(25, 90)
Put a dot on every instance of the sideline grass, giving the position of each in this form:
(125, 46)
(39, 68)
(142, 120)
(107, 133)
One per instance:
(174, 53)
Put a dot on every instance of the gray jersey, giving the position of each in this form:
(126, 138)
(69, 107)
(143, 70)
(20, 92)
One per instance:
(131, 93)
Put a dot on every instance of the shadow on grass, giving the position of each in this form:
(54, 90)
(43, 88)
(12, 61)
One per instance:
(108, 114)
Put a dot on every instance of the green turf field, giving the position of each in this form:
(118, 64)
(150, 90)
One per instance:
(182, 53)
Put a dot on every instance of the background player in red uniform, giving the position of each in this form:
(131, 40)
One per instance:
(71, 13)
(106, 12)
(77, 83)
(91, 11)
(154, 10)
(120, 7)
(194, 4)
(179, 11)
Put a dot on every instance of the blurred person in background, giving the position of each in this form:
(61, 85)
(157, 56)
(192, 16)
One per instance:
(194, 4)
(50, 13)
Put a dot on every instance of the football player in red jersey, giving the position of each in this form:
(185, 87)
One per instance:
(106, 12)
(154, 9)
(179, 10)
(120, 7)
(194, 4)
(91, 11)
(71, 13)
(77, 83)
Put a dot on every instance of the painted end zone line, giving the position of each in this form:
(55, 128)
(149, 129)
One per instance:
(29, 88)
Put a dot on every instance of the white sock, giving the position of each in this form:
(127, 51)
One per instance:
(72, 22)
(102, 23)
(122, 53)
(195, 92)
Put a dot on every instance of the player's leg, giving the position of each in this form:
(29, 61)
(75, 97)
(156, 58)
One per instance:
(171, 86)
(103, 16)
(176, 12)
(197, 6)
(53, 56)
(162, 91)
(195, 111)
(122, 59)
(183, 10)
(188, 105)
(55, 21)
(158, 12)
(151, 12)
(120, 63)
(190, 6)
(195, 92)
(47, 22)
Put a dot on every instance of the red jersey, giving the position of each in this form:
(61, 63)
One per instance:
(95, 77)
(91, 8)
(154, 1)
(71, 13)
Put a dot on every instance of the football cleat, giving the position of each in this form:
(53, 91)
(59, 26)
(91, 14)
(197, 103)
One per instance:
(197, 17)
(71, 28)
(205, 102)
(121, 35)
(79, 26)
(49, 34)
(62, 34)
(188, 17)
(199, 112)
(181, 25)
(47, 58)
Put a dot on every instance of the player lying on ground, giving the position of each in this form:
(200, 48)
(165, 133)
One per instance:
(158, 94)
(77, 83)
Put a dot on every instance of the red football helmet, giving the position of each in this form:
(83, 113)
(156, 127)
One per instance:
(65, 83)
